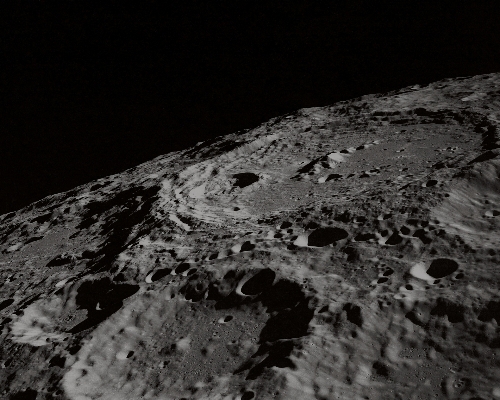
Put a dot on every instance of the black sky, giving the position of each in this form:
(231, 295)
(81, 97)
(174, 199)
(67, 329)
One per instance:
(89, 89)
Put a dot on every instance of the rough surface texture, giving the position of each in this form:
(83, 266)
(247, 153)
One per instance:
(340, 252)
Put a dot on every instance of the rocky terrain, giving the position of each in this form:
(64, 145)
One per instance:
(340, 252)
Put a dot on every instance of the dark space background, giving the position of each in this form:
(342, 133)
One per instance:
(89, 89)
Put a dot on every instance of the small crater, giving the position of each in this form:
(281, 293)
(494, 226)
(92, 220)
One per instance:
(492, 213)
(323, 309)
(61, 259)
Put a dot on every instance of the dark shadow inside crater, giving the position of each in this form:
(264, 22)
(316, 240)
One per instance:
(291, 314)
(6, 303)
(333, 176)
(283, 300)
(285, 225)
(245, 179)
(353, 313)
(363, 237)
(394, 239)
(324, 236)
(28, 394)
(182, 268)
(454, 312)
(160, 274)
(247, 246)
(259, 282)
(119, 214)
(101, 298)
(442, 267)
(491, 311)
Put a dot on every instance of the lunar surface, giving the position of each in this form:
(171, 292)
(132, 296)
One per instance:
(341, 252)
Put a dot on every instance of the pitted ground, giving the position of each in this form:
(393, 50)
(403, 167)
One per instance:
(344, 252)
